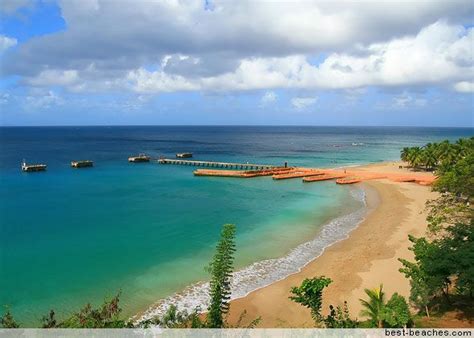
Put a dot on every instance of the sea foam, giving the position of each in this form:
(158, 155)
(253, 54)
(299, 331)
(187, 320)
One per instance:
(266, 272)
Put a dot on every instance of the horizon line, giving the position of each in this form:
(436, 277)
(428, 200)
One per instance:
(230, 125)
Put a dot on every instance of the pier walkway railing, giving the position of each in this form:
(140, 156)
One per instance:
(230, 165)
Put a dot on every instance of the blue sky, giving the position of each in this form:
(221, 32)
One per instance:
(94, 62)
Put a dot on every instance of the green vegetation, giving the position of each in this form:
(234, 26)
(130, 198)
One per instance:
(394, 313)
(175, 319)
(221, 270)
(310, 294)
(374, 307)
(397, 312)
(7, 321)
(442, 275)
(443, 265)
(339, 318)
(106, 316)
(437, 155)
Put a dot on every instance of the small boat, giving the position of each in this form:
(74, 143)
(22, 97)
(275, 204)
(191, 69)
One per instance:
(184, 155)
(139, 158)
(32, 167)
(82, 164)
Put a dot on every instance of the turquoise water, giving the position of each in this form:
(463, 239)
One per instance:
(69, 237)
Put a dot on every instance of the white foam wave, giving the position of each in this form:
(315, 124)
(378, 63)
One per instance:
(263, 273)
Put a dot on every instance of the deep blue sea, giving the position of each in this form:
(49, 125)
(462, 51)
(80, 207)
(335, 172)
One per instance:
(72, 236)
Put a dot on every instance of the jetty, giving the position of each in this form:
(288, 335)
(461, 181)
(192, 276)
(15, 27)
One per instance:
(229, 165)
(139, 158)
(242, 173)
(82, 164)
(298, 173)
(32, 167)
(308, 175)
(323, 177)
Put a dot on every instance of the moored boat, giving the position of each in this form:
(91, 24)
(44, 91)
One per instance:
(82, 164)
(32, 167)
(184, 155)
(139, 158)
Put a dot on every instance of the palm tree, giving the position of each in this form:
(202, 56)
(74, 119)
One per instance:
(404, 154)
(430, 159)
(375, 306)
(446, 153)
(415, 156)
(463, 146)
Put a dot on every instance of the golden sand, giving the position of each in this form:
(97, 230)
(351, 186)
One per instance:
(364, 260)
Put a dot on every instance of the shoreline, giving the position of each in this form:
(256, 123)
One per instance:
(366, 258)
(379, 195)
(263, 273)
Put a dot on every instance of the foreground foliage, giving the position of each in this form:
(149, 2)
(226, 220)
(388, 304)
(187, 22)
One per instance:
(339, 318)
(221, 269)
(440, 264)
(309, 294)
(444, 260)
(382, 313)
(7, 321)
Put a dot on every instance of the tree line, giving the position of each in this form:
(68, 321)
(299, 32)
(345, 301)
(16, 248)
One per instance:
(434, 155)
(442, 274)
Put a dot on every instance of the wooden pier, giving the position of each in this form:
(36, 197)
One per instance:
(210, 164)
(242, 173)
(298, 173)
(324, 177)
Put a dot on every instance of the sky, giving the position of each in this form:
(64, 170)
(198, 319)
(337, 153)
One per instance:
(132, 62)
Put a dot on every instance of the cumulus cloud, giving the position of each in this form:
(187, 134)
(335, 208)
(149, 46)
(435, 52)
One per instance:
(54, 77)
(247, 45)
(6, 42)
(464, 86)
(405, 100)
(435, 56)
(301, 103)
(43, 101)
(267, 98)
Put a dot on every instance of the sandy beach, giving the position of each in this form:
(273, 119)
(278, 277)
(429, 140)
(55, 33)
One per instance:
(364, 260)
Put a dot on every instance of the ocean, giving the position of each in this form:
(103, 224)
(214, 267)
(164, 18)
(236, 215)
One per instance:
(73, 236)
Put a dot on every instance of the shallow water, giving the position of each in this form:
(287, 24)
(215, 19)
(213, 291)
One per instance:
(68, 237)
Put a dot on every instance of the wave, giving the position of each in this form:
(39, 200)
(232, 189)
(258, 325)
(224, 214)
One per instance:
(266, 272)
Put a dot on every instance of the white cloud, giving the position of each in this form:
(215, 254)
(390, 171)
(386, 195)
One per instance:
(301, 103)
(55, 77)
(268, 98)
(435, 56)
(4, 98)
(43, 101)
(247, 45)
(6, 42)
(464, 86)
(405, 100)
(230, 31)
